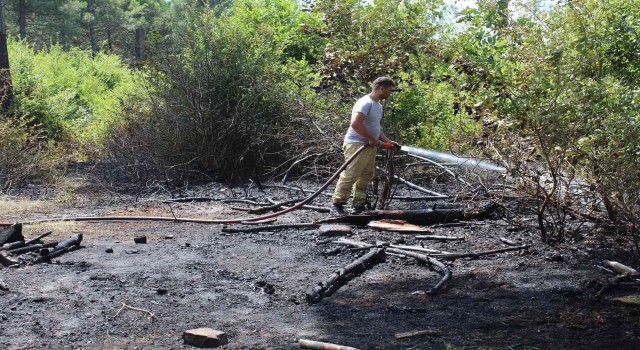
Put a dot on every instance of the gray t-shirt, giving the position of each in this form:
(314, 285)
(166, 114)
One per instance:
(373, 114)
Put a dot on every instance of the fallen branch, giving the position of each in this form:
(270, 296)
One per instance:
(441, 166)
(616, 281)
(478, 254)
(191, 199)
(228, 229)
(316, 345)
(61, 248)
(421, 199)
(508, 242)
(20, 244)
(272, 207)
(619, 268)
(427, 332)
(151, 314)
(31, 248)
(443, 269)
(416, 187)
(440, 238)
(419, 249)
(331, 284)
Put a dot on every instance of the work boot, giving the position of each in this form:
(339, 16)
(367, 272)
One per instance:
(338, 209)
(359, 208)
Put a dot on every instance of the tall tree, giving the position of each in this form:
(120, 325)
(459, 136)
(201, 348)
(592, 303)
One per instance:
(6, 92)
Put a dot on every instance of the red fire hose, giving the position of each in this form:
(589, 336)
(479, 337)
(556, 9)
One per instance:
(208, 221)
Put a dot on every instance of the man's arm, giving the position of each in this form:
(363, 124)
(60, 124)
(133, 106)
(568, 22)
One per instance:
(357, 123)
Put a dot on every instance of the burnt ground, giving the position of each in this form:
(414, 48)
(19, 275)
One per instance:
(252, 285)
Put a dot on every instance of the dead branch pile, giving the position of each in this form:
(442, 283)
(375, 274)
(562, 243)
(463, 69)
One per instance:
(15, 250)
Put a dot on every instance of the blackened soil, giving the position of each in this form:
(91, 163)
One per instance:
(252, 286)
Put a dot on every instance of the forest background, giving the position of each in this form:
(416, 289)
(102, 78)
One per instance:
(173, 92)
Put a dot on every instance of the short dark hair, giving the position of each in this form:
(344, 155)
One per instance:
(382, 81)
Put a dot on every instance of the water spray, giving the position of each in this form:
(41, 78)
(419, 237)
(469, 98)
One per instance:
(450, 158)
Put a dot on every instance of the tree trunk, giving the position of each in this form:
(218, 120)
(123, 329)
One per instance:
(6, 91)
(139, 46)
(22, 18)
(92, 34)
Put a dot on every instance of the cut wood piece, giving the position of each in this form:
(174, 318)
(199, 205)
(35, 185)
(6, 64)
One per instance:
(426, 332)
(397, 226)
(316, 345)
(338, 278)
(620, 268)
(440, 238)
(334, 230)
(418, 217)
(11, 234)
(204, 338)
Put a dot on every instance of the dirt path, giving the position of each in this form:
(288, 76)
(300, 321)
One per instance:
(252, 287)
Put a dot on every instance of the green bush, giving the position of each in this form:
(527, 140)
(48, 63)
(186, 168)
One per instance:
(230, 80)
(72, 95)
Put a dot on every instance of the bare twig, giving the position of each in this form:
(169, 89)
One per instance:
(125, 306)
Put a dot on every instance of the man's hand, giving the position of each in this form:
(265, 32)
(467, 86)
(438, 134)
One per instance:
(391, 145)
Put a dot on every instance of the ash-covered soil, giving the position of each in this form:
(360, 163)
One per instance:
(252, 286)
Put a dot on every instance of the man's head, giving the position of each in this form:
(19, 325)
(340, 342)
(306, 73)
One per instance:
(382, 87)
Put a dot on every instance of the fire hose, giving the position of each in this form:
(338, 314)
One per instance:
(215, 221)
(467, 162)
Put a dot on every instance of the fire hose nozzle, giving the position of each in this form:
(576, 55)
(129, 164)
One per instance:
(390, 145)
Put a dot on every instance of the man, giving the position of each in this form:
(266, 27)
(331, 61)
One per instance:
(365, 129)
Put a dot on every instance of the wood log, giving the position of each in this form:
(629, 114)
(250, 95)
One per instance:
(418, 217)
(619, 268)
(61, 248)
(306, 226)
(11, 234)
(14, 245)
(20, 244)
(316, 345)
(32, 247)
(338, 278)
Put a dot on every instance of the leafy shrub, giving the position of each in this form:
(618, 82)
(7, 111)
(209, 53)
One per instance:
(72, 95)
(230, 83)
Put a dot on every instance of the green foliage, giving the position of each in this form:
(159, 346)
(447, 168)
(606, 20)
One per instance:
(561, 96)
(73, 95)
(230, 80)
